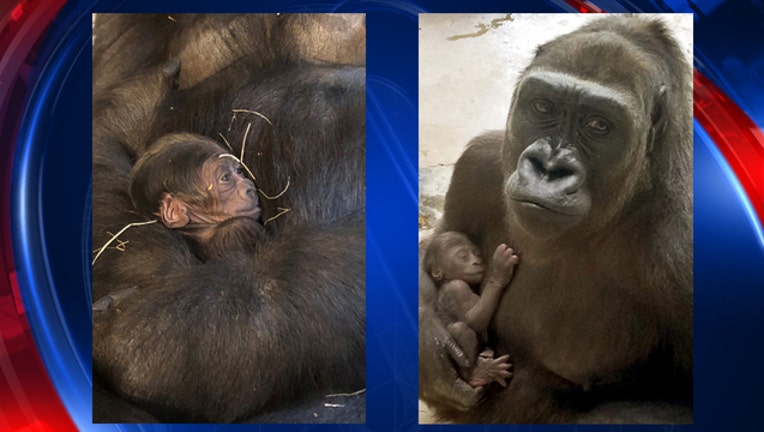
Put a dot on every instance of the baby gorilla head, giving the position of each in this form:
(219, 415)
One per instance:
(192, 184)
(451, 255)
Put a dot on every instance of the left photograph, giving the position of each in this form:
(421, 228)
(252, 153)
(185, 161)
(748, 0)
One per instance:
(228, 265)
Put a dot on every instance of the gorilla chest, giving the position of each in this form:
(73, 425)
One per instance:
(577, 320)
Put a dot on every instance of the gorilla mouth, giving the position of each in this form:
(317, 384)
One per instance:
(252, 211)
(532, 204)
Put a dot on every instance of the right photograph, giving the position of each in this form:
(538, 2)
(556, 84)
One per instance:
(555, 218)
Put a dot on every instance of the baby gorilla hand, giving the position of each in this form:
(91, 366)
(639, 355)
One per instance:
(503, 265)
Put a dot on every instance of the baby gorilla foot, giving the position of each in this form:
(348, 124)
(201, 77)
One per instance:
(488, 369)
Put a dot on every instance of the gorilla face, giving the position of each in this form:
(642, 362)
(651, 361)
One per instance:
(575, 146)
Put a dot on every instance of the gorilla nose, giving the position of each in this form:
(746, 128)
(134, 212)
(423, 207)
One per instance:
(249, 189)
(551, 172)
(561, 171)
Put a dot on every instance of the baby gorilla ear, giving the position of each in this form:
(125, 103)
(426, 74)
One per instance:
(173, 212)
(437, 274)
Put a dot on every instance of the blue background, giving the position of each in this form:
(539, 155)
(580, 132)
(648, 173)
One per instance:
(51, 205)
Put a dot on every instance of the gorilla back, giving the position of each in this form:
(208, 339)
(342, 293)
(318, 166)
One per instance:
(591, 183)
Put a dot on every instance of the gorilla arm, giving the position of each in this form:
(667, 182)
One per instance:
(477, 183)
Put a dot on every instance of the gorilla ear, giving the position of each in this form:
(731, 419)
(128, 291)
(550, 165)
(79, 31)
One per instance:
(437, 274)
(658, 118)
(173, 212)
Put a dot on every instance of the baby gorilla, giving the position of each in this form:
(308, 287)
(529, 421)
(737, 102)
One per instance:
(194, 186)
(454, 263)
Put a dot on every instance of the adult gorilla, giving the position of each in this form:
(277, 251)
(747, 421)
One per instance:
(255, 337)
(592, 184)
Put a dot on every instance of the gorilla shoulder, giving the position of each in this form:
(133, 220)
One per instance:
(477, 182)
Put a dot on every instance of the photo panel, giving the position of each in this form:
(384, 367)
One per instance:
(229, 233)
(555, 218)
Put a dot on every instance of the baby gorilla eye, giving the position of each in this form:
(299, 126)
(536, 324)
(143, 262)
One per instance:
(225, 178)
(239, 170)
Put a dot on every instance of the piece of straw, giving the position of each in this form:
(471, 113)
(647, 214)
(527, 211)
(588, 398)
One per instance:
(355, 393)
(282, 210)
(279, 194)
(114, 237)
(228, 155)
(244, 141)
(226, 142)
(239, 110)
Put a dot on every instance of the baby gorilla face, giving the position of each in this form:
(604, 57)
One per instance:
(235, 194)
(463, 262)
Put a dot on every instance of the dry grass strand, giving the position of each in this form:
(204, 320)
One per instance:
(241, 110)
(227, 144)
(266, 196)
(355, 393)
(281, 210)
(228, 155)
(244, 141)
(230, 124)
(114, 237)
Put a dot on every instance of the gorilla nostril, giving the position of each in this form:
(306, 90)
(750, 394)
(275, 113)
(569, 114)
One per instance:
(559, 174)
(538, 166)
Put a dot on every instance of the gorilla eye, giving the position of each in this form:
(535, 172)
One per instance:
(598, 125)
(239, 170)
(543, 107)
(226, 178)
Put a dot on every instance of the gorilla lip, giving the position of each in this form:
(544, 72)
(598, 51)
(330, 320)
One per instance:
(536, 205)
(254, 212)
